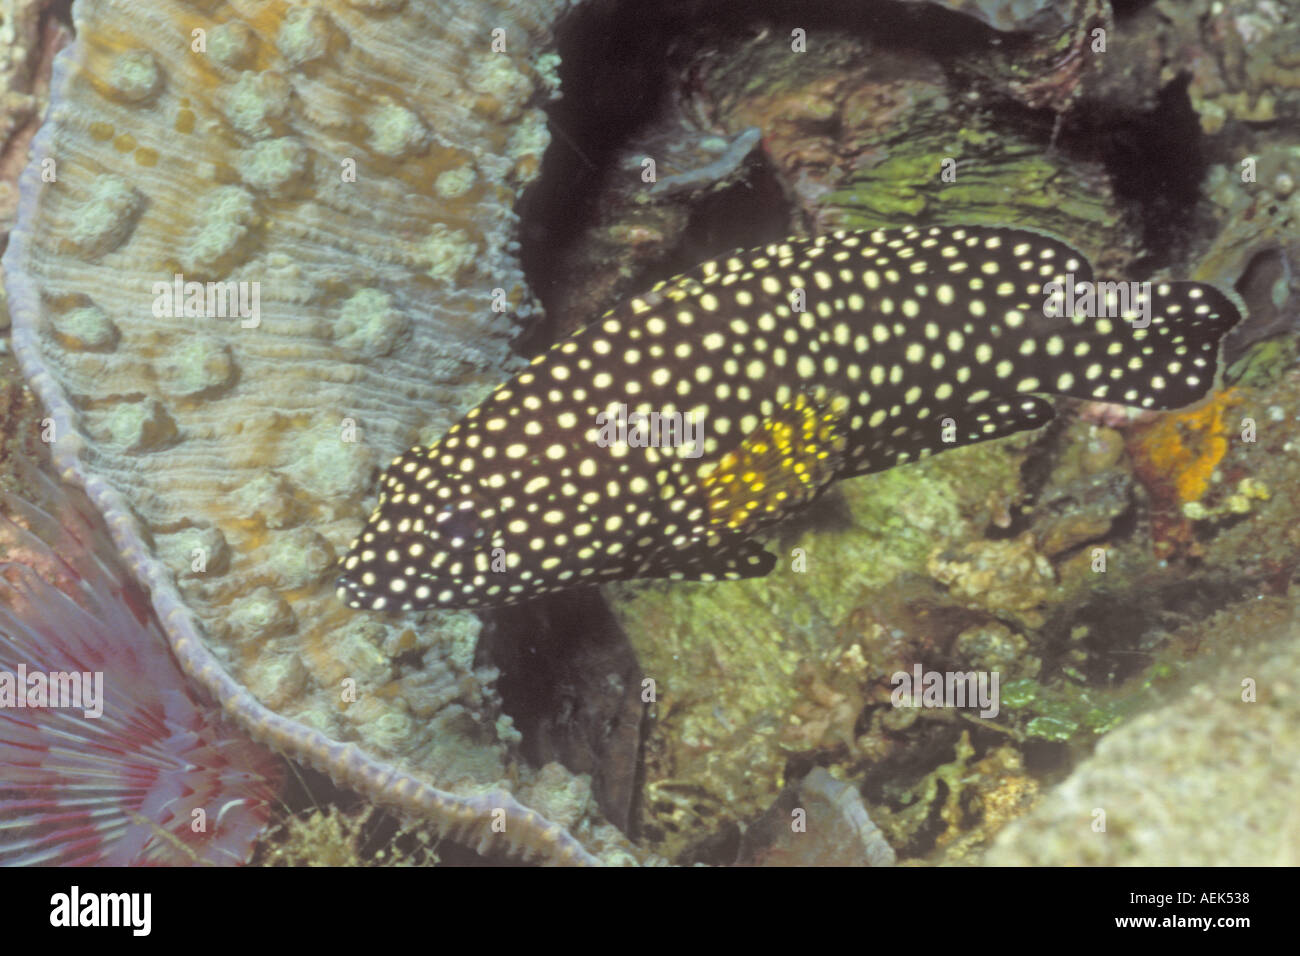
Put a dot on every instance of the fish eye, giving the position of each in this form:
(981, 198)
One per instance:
(459, 524)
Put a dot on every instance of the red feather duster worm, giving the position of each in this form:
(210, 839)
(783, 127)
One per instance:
(157, 777)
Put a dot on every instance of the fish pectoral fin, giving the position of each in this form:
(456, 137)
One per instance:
(710, 560)
(949, 427)
(781, 464)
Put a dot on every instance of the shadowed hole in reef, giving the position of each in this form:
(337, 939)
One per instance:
(1155, 161)
(1126, 8)
(1046, 757)
(571, 684)
(1270, 287)
(60, 10)
(1127, 628)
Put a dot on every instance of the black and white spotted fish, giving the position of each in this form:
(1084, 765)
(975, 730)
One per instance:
(798, 364)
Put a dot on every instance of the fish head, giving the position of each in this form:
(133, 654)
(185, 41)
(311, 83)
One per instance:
(432, 541)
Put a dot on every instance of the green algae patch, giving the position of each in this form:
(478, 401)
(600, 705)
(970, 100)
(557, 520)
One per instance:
(992, 181)
(1264, 364)
(1062, 713)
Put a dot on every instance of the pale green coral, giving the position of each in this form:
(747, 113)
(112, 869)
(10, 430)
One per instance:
(135, 75)
(107, 217)
(498, 78)
(393, 729)
(304, 35)
(331, 467)
(140, 426)
(448, 252)
(370, 324)
(261, 615)
(231, 43)
(457, 636)
(273, 166)
(353, 655)
(199, 365)
(227, 218)
(455, 183)
(205, 545)
(271, 498)
(278, 680)
(254, 100)
(300, 558)
(86, 328)
(548, 71)
(396, 131)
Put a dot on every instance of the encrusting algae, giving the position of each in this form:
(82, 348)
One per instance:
(1176, 457)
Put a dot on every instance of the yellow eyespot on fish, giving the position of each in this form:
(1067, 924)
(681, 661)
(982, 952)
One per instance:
(742, 403)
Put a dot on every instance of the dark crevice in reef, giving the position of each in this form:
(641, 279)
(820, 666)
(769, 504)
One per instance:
(1126, 8)
(613, 82)
(1046, 758)
(1156, 163)
(60, 10)
(720, 848)
(1127, 628)
(572, 686)
(1267, 272)
(732, 218)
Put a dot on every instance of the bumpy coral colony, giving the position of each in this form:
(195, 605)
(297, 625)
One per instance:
(792, 366)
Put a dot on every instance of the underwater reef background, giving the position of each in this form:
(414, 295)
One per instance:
(1132, 577)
